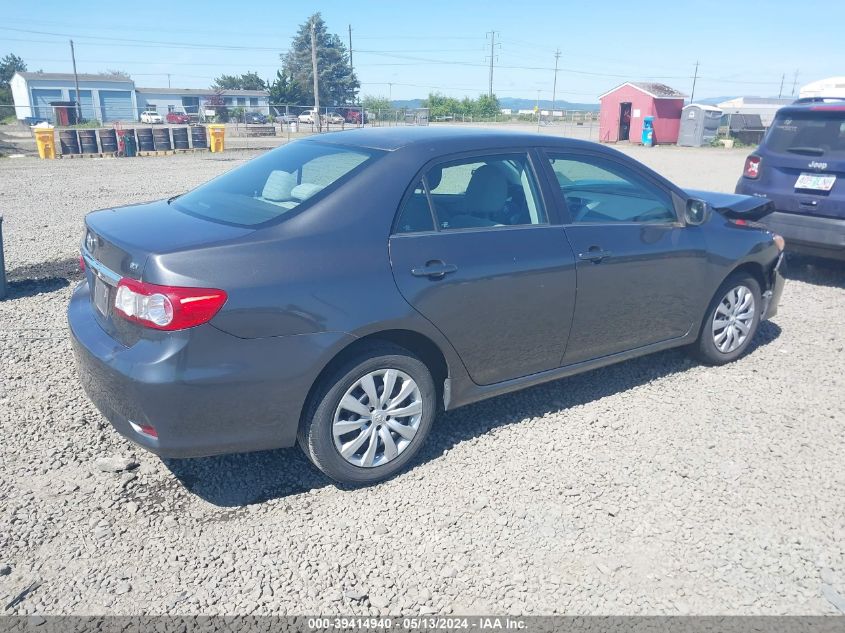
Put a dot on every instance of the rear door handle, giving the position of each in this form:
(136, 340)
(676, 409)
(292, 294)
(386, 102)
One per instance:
(594, 255)
(435, 269)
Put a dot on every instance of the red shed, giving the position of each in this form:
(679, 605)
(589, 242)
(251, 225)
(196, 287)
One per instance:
(623, 108)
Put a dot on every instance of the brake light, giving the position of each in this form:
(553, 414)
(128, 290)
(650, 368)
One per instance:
(752, 167)
(166, 307)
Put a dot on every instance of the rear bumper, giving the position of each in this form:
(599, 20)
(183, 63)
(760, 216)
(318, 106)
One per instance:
(812, 235)
(204, 391)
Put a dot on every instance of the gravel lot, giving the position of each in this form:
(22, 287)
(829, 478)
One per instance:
(657, 486)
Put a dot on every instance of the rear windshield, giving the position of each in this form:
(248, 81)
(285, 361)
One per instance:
(275, 184)
(811, 133)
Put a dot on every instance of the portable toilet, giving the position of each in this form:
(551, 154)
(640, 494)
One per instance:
(699, 125)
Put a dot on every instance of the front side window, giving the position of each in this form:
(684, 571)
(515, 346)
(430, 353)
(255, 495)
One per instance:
(485, 191)
(598, 191)
(274, 184)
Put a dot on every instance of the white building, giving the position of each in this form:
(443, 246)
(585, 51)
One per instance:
(102, 97)
(766, 107)
(830, 87)
(110, 98)
(194, 100)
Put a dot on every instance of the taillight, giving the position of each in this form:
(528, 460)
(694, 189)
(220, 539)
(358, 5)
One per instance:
(752, 167)
(166, 307)
(81, 263)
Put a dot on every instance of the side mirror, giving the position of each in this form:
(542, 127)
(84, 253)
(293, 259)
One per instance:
(696, 212)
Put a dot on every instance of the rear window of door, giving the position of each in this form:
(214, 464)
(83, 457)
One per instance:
(602, 191)
(483, 192)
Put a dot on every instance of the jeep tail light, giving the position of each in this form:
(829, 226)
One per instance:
(752, 167)
(166, 307)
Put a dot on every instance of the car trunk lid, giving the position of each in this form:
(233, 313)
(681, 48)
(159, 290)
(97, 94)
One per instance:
(120, 242)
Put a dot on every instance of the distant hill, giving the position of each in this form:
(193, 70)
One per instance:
(528, 104)
(511, 102)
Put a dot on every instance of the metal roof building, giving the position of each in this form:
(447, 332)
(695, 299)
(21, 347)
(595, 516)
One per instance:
(110, 98)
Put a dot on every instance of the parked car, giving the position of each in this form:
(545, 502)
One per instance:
(177, 117)
(286, 118)
(334, 118)
(150, 116)
(800, 167)
(309, 116)
(255, 117)
(242, 315)
(352, 115)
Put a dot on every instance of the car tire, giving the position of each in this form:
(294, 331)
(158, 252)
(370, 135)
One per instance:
(328, 425)
(721, 339)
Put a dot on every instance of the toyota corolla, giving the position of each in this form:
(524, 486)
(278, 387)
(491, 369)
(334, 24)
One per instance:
(339, 291)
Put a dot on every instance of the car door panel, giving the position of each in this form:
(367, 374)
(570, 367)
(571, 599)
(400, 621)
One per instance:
(645, 290)
(638, 282)
(506, 303)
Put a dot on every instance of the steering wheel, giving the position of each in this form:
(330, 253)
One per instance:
(578, 207)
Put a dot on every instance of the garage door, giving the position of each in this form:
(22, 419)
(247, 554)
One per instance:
(41, 99)
(86, 103)
(116, 105)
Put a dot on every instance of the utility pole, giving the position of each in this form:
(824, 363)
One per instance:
(492, 51)
(351, 67)
(694, 79)
(168, 80)
(794, 82)
(316, 79)
(390, 94)
(76, 82)
(554, 85)
(780, 92)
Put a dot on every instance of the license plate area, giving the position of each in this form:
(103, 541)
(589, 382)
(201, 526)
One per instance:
(815, 182)
(102, 295)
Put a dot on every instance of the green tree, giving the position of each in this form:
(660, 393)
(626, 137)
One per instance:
(9, 65)
(285, 89)
(247, 81)
(486, 107)
(374, 104)
(337, 82)
(439, 105)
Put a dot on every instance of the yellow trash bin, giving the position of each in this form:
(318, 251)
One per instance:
(217, 132)
(45, 139)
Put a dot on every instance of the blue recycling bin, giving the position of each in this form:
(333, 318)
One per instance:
(648, 131)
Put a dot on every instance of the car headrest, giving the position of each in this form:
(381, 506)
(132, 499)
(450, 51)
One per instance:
(434, 176)
(487, 191)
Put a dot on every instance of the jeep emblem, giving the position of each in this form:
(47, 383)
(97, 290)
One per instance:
(816, 165)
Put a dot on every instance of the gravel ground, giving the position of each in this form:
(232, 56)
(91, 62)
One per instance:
(657, 486)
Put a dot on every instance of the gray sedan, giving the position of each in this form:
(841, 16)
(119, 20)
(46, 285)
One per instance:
(339, 291)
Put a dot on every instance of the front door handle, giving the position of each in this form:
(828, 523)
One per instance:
(434, 269)
(595, 255)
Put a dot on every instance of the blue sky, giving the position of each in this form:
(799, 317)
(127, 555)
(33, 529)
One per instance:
(743, 47)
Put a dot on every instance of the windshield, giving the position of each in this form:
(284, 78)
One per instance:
(274, 184)
(813, 133)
